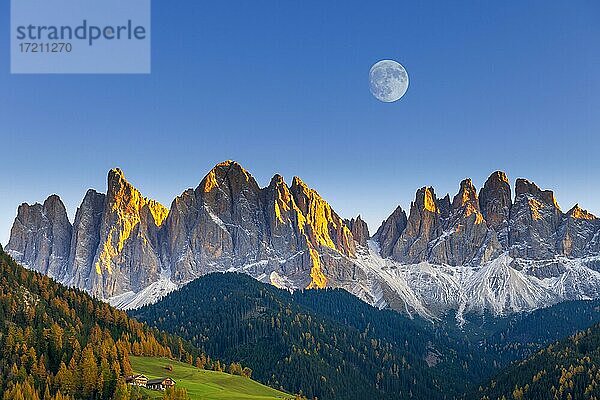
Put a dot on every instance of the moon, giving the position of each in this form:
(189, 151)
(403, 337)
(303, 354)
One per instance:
(388, 80)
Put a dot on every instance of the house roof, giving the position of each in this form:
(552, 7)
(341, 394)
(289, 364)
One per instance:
(137, 376)
(159, 380)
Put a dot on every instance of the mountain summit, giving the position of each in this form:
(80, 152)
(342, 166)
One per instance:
(123, 244)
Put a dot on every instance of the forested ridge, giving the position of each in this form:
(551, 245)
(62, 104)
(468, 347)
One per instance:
(330, 345)
(324, 343)
(568, 369)
(60, 343)
(502, 341)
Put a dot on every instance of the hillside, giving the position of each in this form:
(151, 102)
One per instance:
(568, 369)
(326, 344)
(336, 340)
(201, 384)
(60, 343)
(516, 337)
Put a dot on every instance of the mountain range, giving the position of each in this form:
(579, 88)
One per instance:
(487, 251)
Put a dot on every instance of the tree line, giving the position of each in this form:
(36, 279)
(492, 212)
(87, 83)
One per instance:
(59, 343)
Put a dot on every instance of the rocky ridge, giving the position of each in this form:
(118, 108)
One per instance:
(122, 243)
(474, 252)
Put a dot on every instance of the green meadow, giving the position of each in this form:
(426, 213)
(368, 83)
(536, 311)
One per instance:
(204, 385)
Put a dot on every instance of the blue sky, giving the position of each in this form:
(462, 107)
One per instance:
(283, 87)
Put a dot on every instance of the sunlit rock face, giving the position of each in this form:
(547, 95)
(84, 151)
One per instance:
(40, 237)
(127, 257)
(229, 222)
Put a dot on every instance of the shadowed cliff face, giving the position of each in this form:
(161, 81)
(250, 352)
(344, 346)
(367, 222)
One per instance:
(495, 202)
(40, 237)
(535, 219)
(390, 230)
(578, 234)
(359, 230)
(442, 232)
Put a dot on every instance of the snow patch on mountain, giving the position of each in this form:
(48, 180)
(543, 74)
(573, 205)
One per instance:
(431, 290)
(149, 295)
(372, 263)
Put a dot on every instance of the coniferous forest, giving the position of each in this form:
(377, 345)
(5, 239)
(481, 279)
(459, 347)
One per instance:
(60, 343)
(568, 369)
(319, 354)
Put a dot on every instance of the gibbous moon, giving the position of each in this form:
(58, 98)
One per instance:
(388, 80)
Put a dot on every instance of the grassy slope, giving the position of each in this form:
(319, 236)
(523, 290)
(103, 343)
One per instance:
(202, 384)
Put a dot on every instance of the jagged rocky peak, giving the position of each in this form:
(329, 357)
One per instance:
(359, 230)
(279, 197)
(277, 181)
(280, 233)
(579, 213)
(323, 226)
(390, 230)
(281, 204)
(228, 173)
(127, 256)
(219, 225)
(535, 218)
(425, 199)
(322, 236)
(229, 192)
(466, 196)
(495, 201)
(422, 225)
(525, 187)
(463, 238)
(424, 213)
(41, 235)
(578, 233)
(54, 207)
(466, 200)
(124, 198)
(302, 194)
(85, 238)
(440, 231)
